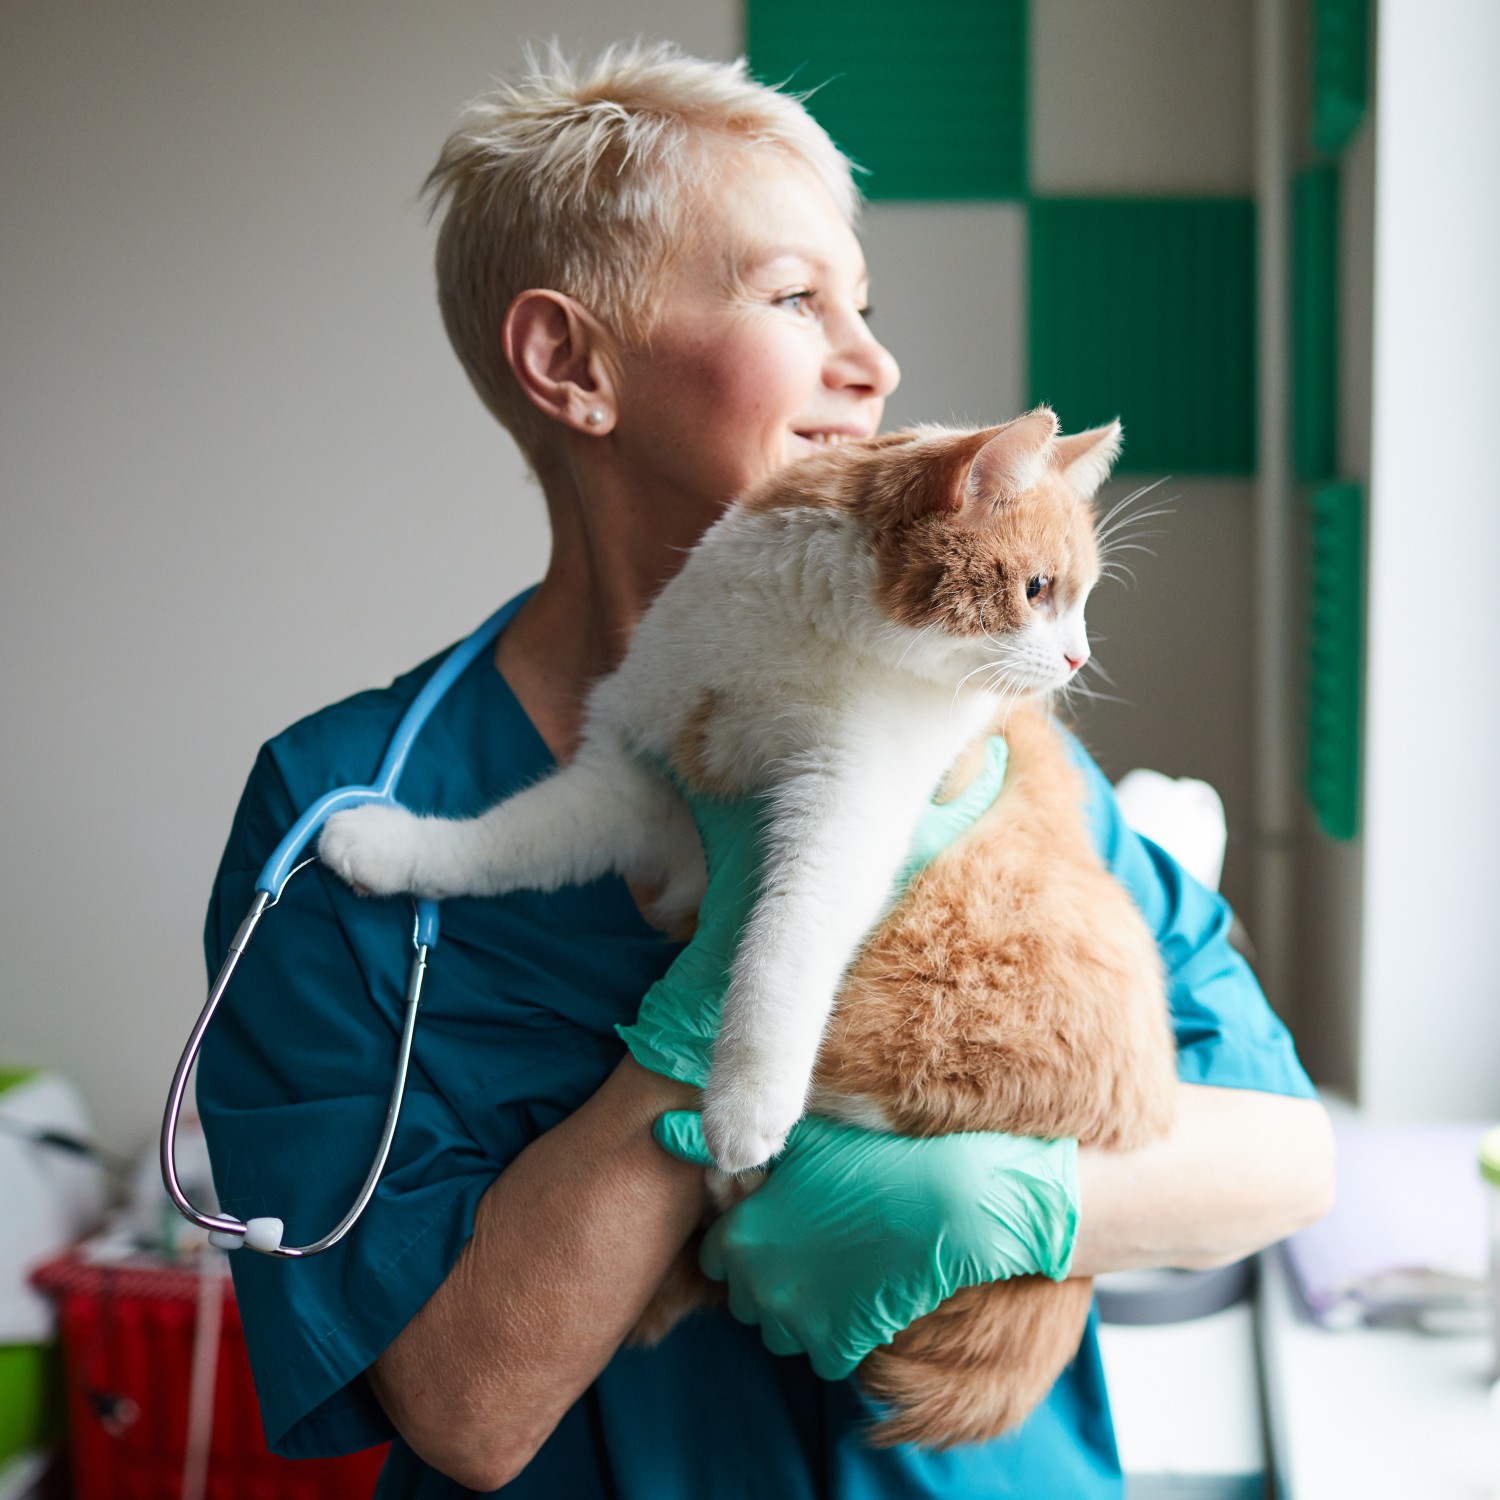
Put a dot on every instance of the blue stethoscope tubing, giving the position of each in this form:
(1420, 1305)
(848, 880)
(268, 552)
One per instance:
(264, 1234)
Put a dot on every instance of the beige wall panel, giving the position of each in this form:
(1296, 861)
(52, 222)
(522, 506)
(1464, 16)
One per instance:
(948, 290)
(1175, 644)
(1141, 97)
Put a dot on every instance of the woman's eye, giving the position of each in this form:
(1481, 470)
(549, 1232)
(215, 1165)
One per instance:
(1037, 589)
(797, 301)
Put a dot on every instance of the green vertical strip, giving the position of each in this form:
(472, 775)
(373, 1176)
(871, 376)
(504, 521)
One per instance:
(1340, 71)
(1145, 309)
(1315, 328)
(931, 101)
(1336, 634)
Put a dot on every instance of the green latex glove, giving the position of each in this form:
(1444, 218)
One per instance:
(677, 1023)
(855, 1234)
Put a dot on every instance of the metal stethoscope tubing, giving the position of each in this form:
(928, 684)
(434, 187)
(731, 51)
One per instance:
(264, 1234)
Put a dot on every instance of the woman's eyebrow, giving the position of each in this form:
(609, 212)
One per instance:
(767, 254)
(758, 260)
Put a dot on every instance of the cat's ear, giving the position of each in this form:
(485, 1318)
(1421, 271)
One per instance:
(1084, 459)
(1012, 460)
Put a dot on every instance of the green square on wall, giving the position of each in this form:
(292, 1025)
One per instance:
(1340, 71)
(1145, 309)
(932, 100)
(1315, 322)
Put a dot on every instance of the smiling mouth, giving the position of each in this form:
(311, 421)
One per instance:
(825, 439)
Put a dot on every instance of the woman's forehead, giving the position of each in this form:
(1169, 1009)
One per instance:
(767, 210)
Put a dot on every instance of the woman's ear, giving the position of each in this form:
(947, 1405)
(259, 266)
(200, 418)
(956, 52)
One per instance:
(560, 355)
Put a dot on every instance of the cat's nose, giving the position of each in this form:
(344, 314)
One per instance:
(1074, 662)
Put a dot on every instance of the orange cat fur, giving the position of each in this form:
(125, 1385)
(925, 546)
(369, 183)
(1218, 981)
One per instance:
(1017, 989)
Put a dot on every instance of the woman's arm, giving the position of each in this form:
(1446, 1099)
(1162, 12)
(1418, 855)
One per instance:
(857, 1233)
(1239, 1171)
(569, 1244)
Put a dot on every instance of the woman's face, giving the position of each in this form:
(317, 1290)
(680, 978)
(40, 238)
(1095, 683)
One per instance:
(760, 352)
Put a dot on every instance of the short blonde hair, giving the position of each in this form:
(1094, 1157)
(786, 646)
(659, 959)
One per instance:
(585, 181)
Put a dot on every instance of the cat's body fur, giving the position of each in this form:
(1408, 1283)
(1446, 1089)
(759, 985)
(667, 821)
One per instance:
(840, 638)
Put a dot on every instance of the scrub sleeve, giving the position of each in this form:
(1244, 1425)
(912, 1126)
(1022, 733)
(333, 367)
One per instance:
(515, 1032)
(517, 1029)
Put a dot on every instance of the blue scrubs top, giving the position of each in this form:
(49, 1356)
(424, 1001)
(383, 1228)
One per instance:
(517, 1029)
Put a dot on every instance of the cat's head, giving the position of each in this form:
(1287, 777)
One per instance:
(982, 543)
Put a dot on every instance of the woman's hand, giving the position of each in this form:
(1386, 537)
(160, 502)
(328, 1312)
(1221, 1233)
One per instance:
(855, 1233)
(676, 1027)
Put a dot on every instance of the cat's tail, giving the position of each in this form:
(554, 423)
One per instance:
(979, 1364)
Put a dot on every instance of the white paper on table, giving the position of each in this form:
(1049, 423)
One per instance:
(1408, 1231)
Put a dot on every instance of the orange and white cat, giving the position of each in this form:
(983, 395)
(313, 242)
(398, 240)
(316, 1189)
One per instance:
(843, 637)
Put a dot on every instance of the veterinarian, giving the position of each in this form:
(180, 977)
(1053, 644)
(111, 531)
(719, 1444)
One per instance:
(648, 270)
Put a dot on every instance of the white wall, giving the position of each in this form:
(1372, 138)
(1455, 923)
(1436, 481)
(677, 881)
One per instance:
(1430, 1022)
(242, 474)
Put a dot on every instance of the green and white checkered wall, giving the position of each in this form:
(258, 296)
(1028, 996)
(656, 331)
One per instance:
(1059, 210)
(1134, 272)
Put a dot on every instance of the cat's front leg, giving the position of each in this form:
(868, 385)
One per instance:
(384, 850)
(607, 812)
(835, 846)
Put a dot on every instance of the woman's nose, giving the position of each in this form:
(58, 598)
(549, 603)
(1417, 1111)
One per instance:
(860, 359)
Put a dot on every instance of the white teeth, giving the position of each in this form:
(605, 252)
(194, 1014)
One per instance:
(826, 439)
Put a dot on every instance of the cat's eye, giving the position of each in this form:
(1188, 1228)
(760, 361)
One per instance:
(1038, 589)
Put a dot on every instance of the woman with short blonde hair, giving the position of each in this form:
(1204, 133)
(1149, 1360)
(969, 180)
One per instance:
(591, 181)
(649, 270)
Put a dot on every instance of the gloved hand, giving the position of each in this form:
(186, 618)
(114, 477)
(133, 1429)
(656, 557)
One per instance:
(677, 1023)
(856, 1233)
(674, 1030)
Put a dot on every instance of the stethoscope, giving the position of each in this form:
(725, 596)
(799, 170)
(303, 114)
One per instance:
(264, 1234)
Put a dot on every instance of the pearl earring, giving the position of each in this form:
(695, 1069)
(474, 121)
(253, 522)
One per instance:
(595, 416)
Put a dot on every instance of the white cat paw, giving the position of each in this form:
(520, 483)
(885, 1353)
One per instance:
(376, 849)
(745, 1128)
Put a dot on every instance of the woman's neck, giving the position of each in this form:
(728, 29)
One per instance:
(573, 630)
(611, 553)
(549, 654)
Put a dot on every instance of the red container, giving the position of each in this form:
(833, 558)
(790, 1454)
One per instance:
(127, 1339)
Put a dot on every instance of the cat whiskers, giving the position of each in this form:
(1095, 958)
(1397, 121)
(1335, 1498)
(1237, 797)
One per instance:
(1119, 517)
(991, 667)
(917, 639)
(1074, 685)
(1120, 531)
(1002, 684)
(1002, 668)
(1119, 571)
(1098, 666)
(985, 666)
(1076, 689)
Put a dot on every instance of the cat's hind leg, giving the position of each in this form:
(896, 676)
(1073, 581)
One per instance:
(606, 812)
